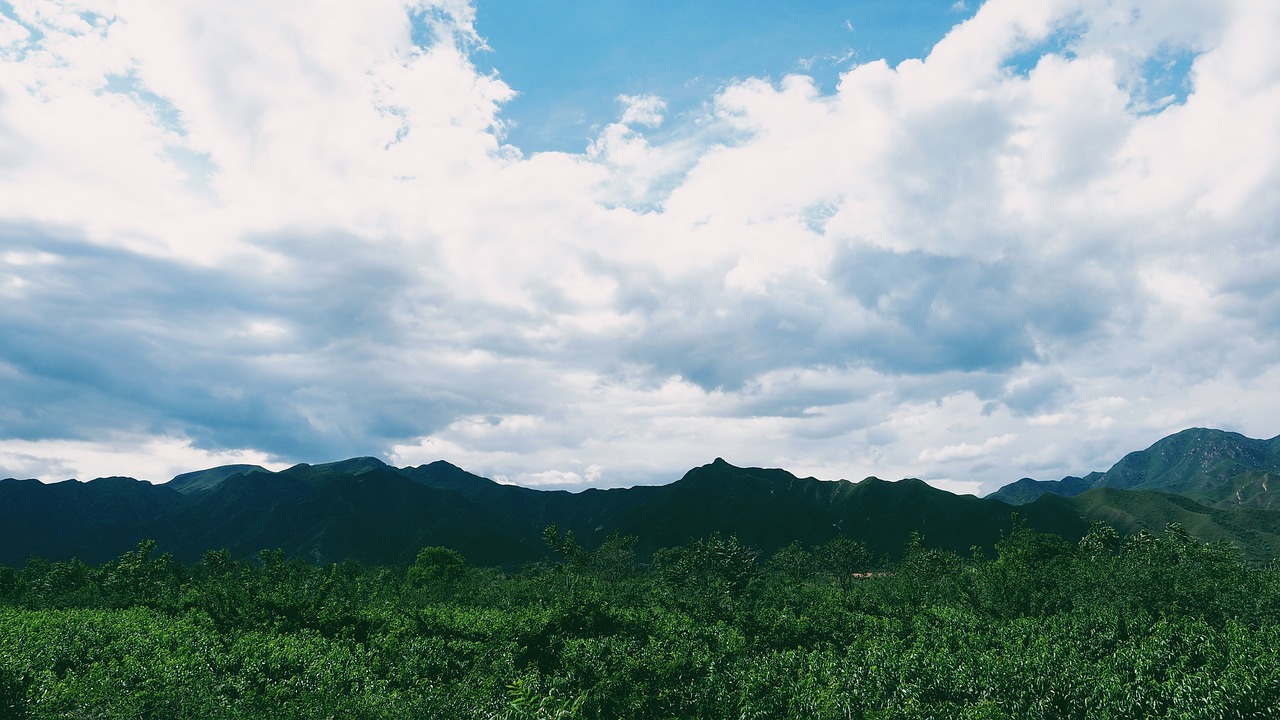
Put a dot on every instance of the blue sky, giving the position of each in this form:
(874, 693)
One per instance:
(571, 60)
(593, 244)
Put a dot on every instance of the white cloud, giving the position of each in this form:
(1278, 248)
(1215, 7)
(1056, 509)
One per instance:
(12, 33)
(646, 110)
(288, 233)
(966, 451)
(145, 457)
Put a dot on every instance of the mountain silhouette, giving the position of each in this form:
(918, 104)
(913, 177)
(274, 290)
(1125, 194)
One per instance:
(363, 509)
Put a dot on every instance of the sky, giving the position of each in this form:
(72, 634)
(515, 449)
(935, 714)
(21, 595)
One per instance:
(595, 244)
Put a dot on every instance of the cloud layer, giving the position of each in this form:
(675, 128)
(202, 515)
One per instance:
(233, 233)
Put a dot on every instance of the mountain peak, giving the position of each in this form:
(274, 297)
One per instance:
(1191, 460)
(440, 465)
(352, 466)
(1027, 490)
(201, 480)
(1217, 467)
(361, 509)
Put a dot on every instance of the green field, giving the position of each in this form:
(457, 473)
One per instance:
(1151, 627)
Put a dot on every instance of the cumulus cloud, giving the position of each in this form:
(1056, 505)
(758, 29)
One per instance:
(298, 236)
(965, 451)
(646, 110)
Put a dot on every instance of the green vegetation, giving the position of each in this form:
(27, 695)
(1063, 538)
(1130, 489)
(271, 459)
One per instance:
(1219, 469)
(1142, 627)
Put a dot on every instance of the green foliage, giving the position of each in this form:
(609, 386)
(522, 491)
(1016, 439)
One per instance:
(8, 584)
(137, 578)
(564, 544)
(527, 703)
(1102, 541)
(12, 691)
(843, 559)
(615, 559)
(708, 578)
(438, 570)
(1026, 578)
(1148, 626)
(574, 557)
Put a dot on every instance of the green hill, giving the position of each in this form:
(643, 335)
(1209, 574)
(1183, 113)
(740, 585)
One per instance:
(1218, 468)
(365, 510)
(1027, 490)
(362, 509)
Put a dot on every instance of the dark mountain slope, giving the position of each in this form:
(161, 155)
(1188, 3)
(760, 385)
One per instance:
(1197, 462)
(1254, 489)
(766, 508)
(363, 509)
(202, 480)
(326, 513)
(96, 520)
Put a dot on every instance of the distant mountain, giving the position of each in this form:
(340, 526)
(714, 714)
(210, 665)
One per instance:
(363, 509)
(202, 480)
(1027, 490)
(1218, 468)
(95, 521)
(357, 509)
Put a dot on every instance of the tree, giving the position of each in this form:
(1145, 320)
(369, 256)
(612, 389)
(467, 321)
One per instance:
(574, 557)
(437, 570)
(708, 577)
(926, 575)
(1176, 573)
(1102, 540)
(1031, 573)
(841, 558)
(137, 578)
(615, 559)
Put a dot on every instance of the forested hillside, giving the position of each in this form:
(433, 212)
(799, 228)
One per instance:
(1214, 467)
(1151, 626)
(367, 511)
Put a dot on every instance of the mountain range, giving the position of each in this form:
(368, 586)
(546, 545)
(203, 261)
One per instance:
(1217, 468)
(1217, 484)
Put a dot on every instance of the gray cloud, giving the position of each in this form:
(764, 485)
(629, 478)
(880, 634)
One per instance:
(1044, 392)
(940, 313)
(107, 338)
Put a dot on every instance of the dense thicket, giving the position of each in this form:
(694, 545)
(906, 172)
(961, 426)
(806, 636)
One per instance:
(1154, 626)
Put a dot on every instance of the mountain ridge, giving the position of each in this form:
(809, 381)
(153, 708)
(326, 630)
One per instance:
(1215, 467)
(364, 509)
